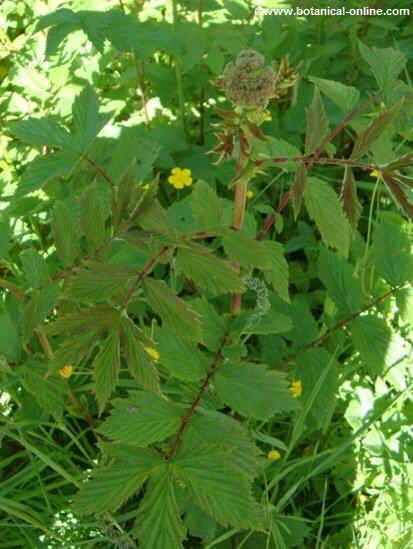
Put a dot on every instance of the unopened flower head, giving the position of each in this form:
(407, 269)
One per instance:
(296, 388)
(180, 178)
(66, 371)
(153, 353)
(273, 455)
(247, 82)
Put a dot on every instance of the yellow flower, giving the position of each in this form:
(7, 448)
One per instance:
(296, 388)
(180, 178)
(66, 371)
(153, 353)
(250, 194)
(273, 455)
(375, 173)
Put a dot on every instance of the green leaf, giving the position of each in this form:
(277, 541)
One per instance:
(216, 486)
(207, 208)
(48, 391)
(274, 148)
(40, 132)
(215, 428)
(254, 391)
(212, 324)
(215, 276)
(175, 313)
(317, 123)
(111, 486)
(337, 276)
(140, 365)
(311, 365)
(65, 232)
(277, 276)
(158, 523)
(9, 337)
(93, 215)
(180, 356)
(87, 122)
(346, 97)
(142, 419)
(5, 237)
(371, 336)
(325, 209)
(399, 194)
(35, 268)
(106, 368)
(45, 168)
(246, 251)
(351, 205)
(38, 307)
(385, 63)
(101, 281)
(374, 130)
(392, 252)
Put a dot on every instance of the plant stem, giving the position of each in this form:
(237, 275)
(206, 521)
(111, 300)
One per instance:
(178, 73)
(240, 199)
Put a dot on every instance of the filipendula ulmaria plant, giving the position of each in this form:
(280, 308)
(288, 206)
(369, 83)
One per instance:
(177, 445)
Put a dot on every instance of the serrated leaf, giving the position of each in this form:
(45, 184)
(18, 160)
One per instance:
(212, 324)
(277, 276)
(351, 204)
(218, 487)
(141, 419)
(101, 281)
(317, 123)
(207, 207)
(297, 190)
(385, 63)
(45, 168)
(180, 356)
(100, 317)
(325, 209)
(246, 251)
(346, 97)
(40, 132)
(93, 215)
(48, 391)
(111, 486)
(398, 193)
(65, 232)
(392, 253)
(253, 390)
(311, 365)
(371, 337)
(216, 428)
(35, 268)
(374, 130)
(140, 366)
(106, 368)
(337, 276)
(215, 276)
(9, 337)
(87, 122)
(158, 523)
(175, 313)
(38, 307)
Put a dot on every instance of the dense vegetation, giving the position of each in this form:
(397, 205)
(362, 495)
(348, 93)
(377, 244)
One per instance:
(206, 311)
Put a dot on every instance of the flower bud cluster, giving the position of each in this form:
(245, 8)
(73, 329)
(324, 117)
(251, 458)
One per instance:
(247, 82)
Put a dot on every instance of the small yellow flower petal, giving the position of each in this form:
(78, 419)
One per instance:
(153, 353)
(273, 455)
(375, 173)
(296, 388)
(250, 194)
(185, 171)
(176, 171)
(66, 371)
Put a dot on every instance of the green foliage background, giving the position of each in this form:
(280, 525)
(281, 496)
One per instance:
(102, 259)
